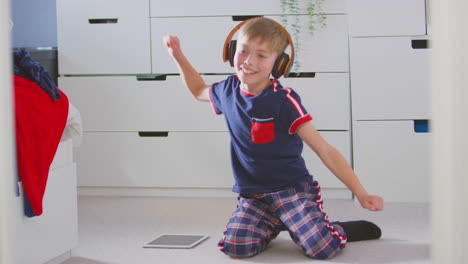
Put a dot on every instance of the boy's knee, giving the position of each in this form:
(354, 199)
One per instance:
(241, 248)
(322, 248)
(321, 254)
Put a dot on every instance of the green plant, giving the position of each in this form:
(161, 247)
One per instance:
(316, 19)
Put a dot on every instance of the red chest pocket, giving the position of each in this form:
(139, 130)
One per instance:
(262, 131)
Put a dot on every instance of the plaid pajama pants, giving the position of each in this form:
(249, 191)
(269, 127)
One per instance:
(259, 218)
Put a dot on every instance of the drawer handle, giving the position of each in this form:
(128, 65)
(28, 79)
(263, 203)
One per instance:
(420, 44)
(103, 20)
(243, 18)
(422, 126)
(153, 134)
(301, 75)
(151, 77)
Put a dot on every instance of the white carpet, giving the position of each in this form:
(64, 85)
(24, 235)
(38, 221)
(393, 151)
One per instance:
(112, 230)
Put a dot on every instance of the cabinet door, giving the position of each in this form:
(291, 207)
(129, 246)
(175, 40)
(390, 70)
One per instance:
(387, 17)
(103, 37)
(63, 156)
(324, 50)
(342, 142)
(202, 39)
(390, 78)
(160, 8)
(55, 232)
(392, 160)
(326, 98)
(175, 160)
(125, 103)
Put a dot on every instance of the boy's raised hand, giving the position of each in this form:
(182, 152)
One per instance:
(173, 45)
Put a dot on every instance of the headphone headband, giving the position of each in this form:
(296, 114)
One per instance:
(228, 55)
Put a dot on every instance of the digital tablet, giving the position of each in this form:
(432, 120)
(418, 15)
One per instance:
(175, 241)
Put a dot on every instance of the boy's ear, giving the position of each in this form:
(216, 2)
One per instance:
(230, 51)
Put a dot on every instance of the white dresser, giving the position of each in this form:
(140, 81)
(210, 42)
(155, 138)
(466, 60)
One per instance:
(390, 87)
(141, 127)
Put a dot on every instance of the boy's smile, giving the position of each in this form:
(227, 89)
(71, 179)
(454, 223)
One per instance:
(253, 61)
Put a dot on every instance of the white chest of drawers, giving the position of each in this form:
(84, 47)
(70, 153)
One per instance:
(104, 47)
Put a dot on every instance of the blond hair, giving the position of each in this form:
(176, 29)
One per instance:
(266, 29)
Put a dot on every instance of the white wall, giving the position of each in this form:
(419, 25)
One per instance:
(35, 23)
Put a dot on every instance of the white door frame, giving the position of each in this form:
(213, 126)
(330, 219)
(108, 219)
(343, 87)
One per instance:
(7, 182)
(450, 125)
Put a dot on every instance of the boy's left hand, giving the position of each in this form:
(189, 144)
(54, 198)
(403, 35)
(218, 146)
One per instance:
(372, 202)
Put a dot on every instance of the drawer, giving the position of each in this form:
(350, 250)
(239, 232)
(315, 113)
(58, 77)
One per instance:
(161, 8)
(387, 18)
(42, 238)
(390, 78)
(103, 37)
(326, 97)
(204, 51)
(178, 160)
(392, 160)
(341, 140)
(123, 103)
(326, 50)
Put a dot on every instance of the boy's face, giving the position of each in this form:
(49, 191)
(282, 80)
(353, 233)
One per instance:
(253, 61)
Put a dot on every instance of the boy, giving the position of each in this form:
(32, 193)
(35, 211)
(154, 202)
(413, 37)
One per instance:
(268, 125)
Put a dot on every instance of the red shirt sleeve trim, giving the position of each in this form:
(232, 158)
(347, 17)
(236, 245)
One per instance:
(301, 120)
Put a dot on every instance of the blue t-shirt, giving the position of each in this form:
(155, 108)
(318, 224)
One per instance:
(265, 150)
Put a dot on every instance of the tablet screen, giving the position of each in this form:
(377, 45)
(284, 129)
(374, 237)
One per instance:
(175, 241)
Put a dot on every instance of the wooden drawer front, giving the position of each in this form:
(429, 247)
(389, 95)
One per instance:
(103, 37)
(387, 17)
(392, 160)
(324, 51)
(326, 98)
(161, 8)
(122, 103)
(182, 159)
(390, 78)
(342, 142)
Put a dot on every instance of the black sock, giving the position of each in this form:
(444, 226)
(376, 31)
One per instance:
(360, 230)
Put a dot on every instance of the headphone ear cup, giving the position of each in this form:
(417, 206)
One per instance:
(231, 51)
(279, 68)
